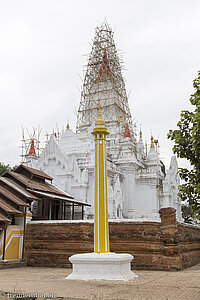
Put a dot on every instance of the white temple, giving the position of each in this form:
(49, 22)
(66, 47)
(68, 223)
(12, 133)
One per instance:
(137, 184)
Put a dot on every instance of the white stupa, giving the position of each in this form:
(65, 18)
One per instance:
(138, 186)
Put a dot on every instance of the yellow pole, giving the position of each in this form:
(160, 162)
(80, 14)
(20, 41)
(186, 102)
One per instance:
(101, 234)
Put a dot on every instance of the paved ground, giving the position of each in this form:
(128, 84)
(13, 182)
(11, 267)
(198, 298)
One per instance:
(155, 285)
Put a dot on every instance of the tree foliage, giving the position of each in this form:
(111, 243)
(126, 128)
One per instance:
(188, 215)
(187, 145)
(4, 168)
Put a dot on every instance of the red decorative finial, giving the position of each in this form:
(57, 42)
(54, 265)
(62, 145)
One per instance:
(105, 56)
(105, 69)
(32, 149)
(127, 132)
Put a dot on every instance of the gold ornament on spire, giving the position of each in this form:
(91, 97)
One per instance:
(67, 124)
(121, 120)
(100, 123)
(152, 142)
(140, 132)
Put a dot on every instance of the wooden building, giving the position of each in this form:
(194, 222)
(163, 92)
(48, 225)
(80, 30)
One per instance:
(28, 194)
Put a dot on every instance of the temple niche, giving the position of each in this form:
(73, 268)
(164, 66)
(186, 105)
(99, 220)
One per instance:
(138, 187)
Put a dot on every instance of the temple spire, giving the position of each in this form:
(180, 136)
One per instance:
(152, 142)
(104, 71)
(127, 131)
(100, 123)
(146, 147)
(103, 80)
(140, 132)
(32, 149)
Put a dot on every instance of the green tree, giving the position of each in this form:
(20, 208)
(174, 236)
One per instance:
(188, 214)
(187, 145)
(4, 168)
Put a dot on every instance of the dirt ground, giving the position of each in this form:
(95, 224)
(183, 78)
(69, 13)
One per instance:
(50, 282)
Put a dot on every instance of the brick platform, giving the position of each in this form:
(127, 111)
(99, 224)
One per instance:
(156, 246)
(15, 263)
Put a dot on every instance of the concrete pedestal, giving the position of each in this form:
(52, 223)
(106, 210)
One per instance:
(101, 266)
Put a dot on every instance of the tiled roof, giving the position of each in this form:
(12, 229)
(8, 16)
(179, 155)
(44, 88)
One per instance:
(34, 172)
(60, 197)
(32, 184)
(18, 188)
(8, 208)
(12, 197)
(3, 218)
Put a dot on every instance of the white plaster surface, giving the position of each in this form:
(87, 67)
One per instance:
(101, 266)
(137, 185)
(92, 221)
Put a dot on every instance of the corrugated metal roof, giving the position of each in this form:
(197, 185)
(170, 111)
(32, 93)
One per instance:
(57, 197)
(34, 172)
(8, 208)
(18, 188)
(12, 197)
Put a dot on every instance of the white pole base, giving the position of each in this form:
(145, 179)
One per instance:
(101, 266)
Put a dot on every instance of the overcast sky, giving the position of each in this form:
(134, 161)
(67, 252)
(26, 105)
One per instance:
(42, 50)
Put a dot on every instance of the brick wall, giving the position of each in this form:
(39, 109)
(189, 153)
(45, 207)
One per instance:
(156, 246)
